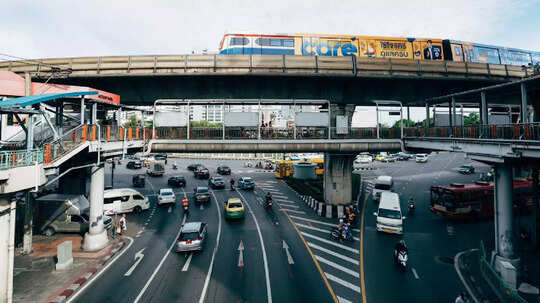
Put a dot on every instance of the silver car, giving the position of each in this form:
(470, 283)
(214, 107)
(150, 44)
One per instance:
(192, 237)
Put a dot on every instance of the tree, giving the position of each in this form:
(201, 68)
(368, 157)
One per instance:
(132, 122)
(471, 119)
(406, 123)
(205, 124)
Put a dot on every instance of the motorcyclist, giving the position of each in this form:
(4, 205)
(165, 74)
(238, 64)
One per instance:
(400, 247)
(268, 196)
(232, 183)
(341, 227)
(411, 203)
(185, 203)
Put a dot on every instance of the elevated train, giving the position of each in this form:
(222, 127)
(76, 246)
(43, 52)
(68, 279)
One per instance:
(375, 47)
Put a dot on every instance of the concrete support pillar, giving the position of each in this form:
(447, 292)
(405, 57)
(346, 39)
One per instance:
(408, 114)
(75, 181)
(506, 261)
(524, 104)
(453, 113)
(483, 109)
(7, 247)
(338, 178)
(536, 230)
(96, 237)
(341, 110)
(30, 132)
(27, 84)
(119, 116)
(94, 113)
(83, 110)
(427, 116)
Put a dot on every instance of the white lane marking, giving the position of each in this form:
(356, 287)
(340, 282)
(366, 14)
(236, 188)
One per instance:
(96, 276)
(415, 274)
(337, 266)
(138, 258)
(160, 264)
(333, 253)
(294, 211)
(139, 233)
(343, 300)
(170, 209)
(319, 229)
(281, 197)
(319, 222)
(285, 201)
(356, 251)
(209, 272)
(241, 254)
(188, 261)
(288, 205)
(202, 207)
(342, 282)
(265, 261)
(289, 257)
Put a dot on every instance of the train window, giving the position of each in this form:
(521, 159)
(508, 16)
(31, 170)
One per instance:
(239, 41)
(275, 42)
(486, 55)
(263, 41)
(288, 42)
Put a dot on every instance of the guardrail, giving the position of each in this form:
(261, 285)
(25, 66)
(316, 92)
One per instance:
(505, 293)
(518, 132)
(231, 64)
(20, 158)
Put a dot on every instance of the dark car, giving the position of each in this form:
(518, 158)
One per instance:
(139, 180)
(201, 194)
(192, 167)
(216, 182)
(134, 165)
(402, 156)
(179, 181)
(466, 169)
(246, 183)
(162, 157)
(201, 173)
(224, 170)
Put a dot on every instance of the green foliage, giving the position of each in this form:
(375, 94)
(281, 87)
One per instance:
(406, 123)
(132, 122)
(205, 124)
(471, 119)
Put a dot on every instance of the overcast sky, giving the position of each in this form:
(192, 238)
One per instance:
(65, 28)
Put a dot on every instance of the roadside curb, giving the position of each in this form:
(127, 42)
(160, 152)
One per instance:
(460, 268)
(92, 270)
(322, 209)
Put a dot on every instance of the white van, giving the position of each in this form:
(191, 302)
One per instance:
(123, 200)
(389, 218)
(157, 168)
(382, 184)
(421, 158)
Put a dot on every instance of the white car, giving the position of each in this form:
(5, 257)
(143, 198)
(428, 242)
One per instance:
(166, 195)
(122, 200)
(421, 158)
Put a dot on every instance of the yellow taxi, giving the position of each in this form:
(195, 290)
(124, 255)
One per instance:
(234, 209)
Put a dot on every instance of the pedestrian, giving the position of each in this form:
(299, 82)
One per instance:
(122, 224)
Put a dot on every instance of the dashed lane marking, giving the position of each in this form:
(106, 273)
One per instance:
(293, 206)
(337, 266)
(333, 253)
(342, 282)
(356, 251)
(188, 261)
(343, 300)
(285, 201)
(415, 274)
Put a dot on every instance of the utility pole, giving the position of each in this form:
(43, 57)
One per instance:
(113, 166)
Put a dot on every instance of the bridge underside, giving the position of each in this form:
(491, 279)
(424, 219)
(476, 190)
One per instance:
(143, 90)
(288, 146)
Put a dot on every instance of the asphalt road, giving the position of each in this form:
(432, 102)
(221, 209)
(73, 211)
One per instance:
(433, 241)
(313, 268)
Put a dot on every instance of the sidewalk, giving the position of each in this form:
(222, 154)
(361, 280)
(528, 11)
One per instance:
(35, 278)
(468, 269)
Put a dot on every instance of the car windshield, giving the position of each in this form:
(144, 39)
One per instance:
(166, 193)
(224, 167)
(247, 180)
(382, 186)
(235, 205)
(202, 190)
(218, 179)
(189, 236)
(389, 213)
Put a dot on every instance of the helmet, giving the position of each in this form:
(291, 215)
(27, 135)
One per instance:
(402, 242)
(340, 220)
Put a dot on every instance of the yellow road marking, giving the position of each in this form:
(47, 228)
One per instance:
(312, 256)
(362, 279)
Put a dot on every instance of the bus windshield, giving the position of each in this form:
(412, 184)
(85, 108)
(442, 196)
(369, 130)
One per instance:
(382, 186)
(389, 213)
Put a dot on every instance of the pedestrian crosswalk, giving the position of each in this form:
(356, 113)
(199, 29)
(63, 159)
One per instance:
(339, 261)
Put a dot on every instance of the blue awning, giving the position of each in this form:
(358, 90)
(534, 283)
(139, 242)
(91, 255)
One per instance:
(30, 100)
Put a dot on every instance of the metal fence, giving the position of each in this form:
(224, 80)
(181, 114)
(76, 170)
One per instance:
(495, 281)
(20, 158)
(518, 131)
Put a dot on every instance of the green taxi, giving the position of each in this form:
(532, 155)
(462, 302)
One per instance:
(234, 209)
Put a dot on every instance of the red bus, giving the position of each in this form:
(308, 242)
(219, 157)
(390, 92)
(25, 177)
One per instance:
(476, 200)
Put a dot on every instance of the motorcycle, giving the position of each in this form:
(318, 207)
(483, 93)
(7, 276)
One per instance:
(400, 258)
(268, 204)
(232, 187)
(345, 234)
(174, 166)
(247, 164)
(411, 207)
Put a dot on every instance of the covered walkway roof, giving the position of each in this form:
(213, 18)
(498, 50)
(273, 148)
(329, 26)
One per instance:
(31, 100)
